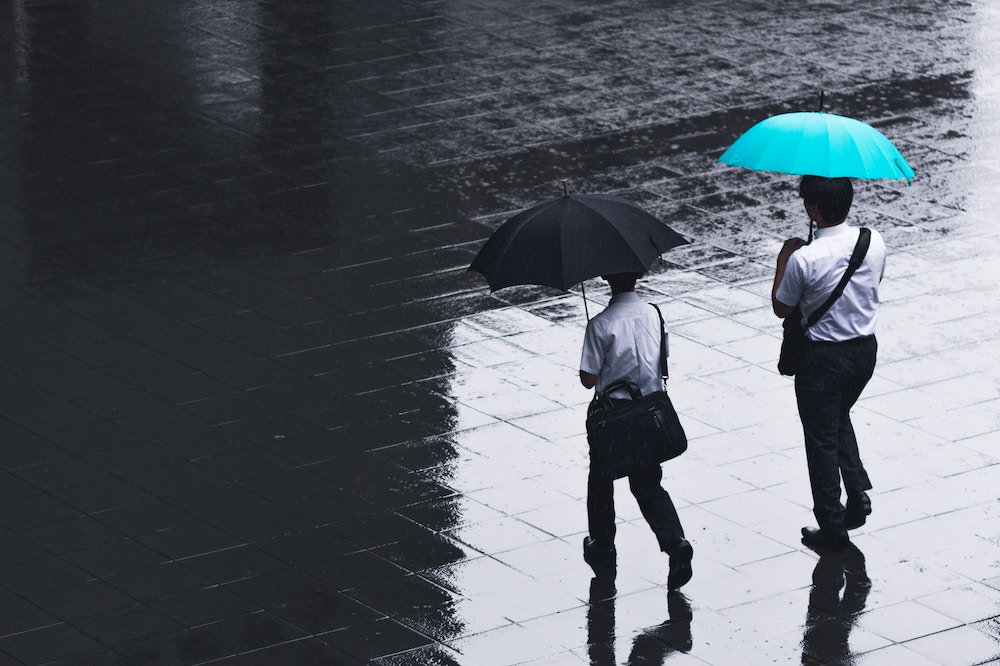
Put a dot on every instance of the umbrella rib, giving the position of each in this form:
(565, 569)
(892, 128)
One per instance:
(528, 216)
(618, 234)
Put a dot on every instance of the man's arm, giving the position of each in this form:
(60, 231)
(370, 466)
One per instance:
(782, 310)
(588, 380)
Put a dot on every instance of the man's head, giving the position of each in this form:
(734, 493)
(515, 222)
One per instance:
(622, 282)
(830, 197)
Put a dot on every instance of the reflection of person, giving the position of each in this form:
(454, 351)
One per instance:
(601, 621)
(840, 357)
(650, 646)
(654, 645)
(622, 343)
(831, 616)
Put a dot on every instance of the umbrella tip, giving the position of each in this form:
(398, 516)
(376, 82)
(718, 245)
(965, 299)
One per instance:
(821, 101)
(565, 182)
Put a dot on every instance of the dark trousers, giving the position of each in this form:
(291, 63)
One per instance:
(831, 379)
(654, 502)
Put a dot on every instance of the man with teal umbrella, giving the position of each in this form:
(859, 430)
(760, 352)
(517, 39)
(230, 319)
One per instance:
(830, 285)
(839, 356)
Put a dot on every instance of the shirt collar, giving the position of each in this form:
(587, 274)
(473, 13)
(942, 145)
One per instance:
(835, 230)
(624, 297)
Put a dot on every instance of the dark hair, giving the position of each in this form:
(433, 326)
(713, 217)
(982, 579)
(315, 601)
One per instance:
(622, 282)
(831, 196)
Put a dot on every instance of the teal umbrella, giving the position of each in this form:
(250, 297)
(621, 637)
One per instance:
(818, 144)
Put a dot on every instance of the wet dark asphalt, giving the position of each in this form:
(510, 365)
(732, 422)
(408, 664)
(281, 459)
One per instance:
(256, 412)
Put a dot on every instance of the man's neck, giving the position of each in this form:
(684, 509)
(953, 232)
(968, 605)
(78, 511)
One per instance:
(820, 224)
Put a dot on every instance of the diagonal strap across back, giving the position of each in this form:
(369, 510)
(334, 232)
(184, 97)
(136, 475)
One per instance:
(860, 249)
(663, 345)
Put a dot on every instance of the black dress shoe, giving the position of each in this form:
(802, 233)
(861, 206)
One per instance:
(680, 566)
(858, 510)
(816, 538)
(602, 559)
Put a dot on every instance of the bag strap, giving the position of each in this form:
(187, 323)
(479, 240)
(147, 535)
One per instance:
(633, 390)
(663, 345)
(860, 249)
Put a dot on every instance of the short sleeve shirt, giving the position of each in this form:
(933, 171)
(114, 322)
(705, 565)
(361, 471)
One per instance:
(622, 343)
(813, 272)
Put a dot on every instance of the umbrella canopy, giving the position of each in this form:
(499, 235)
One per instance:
(818, 144)
(564, 241)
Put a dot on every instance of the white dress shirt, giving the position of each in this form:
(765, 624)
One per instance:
(813, 272)
(623, 343)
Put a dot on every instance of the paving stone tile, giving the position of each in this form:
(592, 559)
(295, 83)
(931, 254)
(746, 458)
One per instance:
(203, 606)
(161, 581)
(375, 639)
(49, 644)
(248, 632)
(433, 654)
(904, 621)
(181, 647)
(128, 624)
(302, 651)
(83, 600)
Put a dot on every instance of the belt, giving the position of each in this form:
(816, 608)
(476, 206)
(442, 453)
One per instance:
(843, 343)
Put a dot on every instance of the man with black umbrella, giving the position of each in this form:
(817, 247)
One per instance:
(622, 343)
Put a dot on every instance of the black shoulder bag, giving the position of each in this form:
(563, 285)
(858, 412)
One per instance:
(794, 341)
(625, 435)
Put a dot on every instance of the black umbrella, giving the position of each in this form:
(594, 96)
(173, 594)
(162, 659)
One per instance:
(562, 242)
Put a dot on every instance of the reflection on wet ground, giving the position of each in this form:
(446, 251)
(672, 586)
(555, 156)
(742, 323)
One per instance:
(256, 411)
(839, 590)
(652, 645)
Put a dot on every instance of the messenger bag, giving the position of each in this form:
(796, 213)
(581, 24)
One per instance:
(628, 434)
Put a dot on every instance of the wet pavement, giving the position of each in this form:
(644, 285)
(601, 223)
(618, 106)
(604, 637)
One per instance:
(255, 411)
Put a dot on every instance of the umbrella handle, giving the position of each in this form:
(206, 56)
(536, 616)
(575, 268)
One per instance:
(583, 291)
